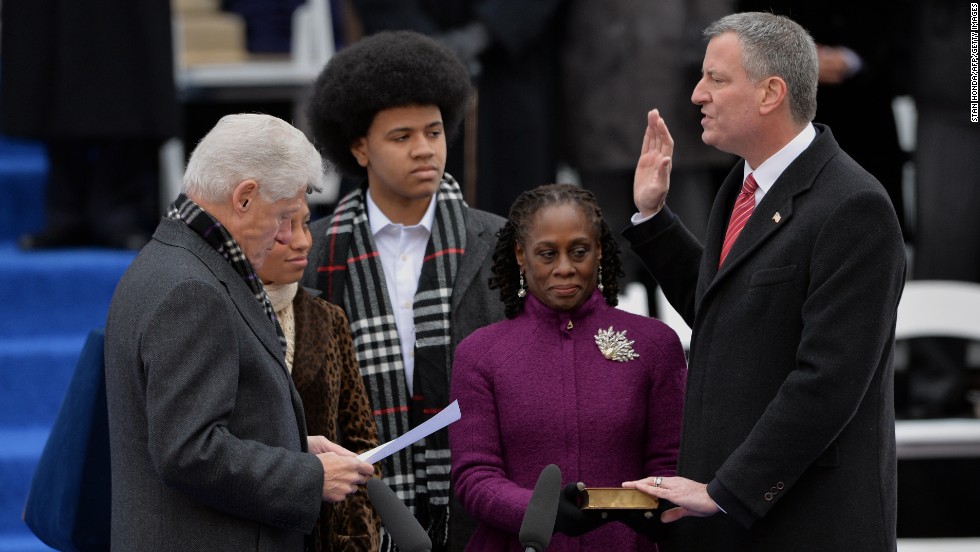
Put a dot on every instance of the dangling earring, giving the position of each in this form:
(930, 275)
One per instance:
(521, 290)
(600, 277)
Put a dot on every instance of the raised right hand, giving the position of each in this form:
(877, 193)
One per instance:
(652, 178)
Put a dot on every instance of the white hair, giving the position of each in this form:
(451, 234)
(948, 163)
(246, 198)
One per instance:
(252, 146)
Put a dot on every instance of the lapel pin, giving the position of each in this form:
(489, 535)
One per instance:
(777, 217)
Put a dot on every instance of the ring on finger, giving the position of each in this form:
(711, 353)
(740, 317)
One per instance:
(658, 481)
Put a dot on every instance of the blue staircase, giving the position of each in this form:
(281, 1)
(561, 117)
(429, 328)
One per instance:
(49, 301)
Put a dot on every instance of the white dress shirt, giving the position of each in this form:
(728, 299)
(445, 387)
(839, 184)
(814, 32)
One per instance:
(402, 249)
(770, 170)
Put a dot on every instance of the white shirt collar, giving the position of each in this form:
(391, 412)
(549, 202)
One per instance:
(379, 221)
(769, 171)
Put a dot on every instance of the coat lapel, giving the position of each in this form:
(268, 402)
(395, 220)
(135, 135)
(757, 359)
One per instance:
(718, 221)
(178, 234)
(774, 211)
(255, 317)
(476, 254)
(764, 221)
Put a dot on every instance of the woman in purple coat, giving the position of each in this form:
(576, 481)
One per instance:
(566, 379)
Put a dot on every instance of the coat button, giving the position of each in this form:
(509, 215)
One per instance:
(768, 497)
(773, 490)
(780, 485)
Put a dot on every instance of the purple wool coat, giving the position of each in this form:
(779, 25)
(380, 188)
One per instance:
(533, 392)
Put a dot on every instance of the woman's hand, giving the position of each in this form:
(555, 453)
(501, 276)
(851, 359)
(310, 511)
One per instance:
(572, 520)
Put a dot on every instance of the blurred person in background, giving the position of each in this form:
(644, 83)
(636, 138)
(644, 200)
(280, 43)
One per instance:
(618, 58)
(94, 82)
(947, 236)
(860, 51)
(938, 497)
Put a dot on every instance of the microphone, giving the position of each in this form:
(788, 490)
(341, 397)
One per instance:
(405, 530)
(539, 519)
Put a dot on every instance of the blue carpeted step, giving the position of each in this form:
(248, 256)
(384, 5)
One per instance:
(19, 452)
(23, 170)
(34, 374)
(50, 300)
(55, 292)
(20, 542)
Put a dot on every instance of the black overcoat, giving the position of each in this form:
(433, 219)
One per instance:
(789, 411)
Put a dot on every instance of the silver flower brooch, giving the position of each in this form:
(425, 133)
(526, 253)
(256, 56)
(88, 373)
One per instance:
(614, 346)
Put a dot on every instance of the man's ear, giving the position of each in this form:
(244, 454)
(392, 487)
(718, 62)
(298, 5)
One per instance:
(244, 194)
(359, 150)
(773, 91)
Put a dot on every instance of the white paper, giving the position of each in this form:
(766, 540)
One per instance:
(445, 417)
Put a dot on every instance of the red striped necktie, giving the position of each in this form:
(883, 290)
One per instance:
(744, 205)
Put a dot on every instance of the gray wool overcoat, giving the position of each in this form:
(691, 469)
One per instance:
(207, 432)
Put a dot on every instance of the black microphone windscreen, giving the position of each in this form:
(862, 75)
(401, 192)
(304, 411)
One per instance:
(539, 519)
(405, 530)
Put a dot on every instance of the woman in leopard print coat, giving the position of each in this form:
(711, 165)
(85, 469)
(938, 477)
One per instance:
(320, 356)
(326, 375)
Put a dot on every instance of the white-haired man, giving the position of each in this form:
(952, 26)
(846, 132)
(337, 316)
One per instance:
(207, 433)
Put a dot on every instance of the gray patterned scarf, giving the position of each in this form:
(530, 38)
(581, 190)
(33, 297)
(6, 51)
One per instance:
(185, 210)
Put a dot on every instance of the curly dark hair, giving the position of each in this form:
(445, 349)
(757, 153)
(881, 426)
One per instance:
(382, 71)
(506, 272)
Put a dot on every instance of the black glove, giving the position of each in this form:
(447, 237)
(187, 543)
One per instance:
(572, 520)
(645, 522)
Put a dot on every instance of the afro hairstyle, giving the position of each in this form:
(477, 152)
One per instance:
(385, 70)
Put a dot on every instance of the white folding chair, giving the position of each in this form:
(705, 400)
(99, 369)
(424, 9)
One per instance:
(938, 308)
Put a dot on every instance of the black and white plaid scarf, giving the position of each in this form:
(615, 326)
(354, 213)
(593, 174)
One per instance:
(216, 235)
(354, 277)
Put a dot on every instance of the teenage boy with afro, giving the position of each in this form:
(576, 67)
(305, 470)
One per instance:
(403, 254)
